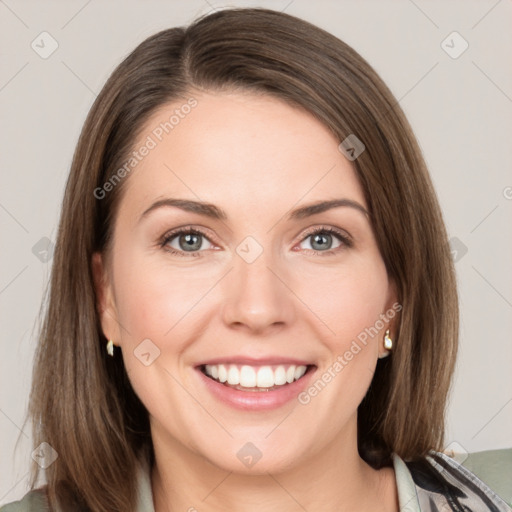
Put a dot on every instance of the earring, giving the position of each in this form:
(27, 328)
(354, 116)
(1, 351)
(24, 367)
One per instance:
(388, 345)
(110, 348)
(388, 342)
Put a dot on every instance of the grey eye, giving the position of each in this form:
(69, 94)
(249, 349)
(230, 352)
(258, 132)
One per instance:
(322, 241)
(188, 242)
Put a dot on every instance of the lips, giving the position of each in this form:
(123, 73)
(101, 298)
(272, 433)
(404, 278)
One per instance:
(255, 384)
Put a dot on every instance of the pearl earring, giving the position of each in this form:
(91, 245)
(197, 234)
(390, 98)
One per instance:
(388, 342)
(388, 345)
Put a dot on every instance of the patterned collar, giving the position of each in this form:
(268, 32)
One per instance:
(444, 485)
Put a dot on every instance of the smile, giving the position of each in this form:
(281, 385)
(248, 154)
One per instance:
(254, 378)
(257, 386)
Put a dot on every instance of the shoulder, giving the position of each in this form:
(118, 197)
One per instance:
(33, 501)
(442, 480)
(494, 467)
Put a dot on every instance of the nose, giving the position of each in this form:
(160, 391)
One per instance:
(258, 297)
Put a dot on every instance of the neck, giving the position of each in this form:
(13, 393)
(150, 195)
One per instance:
(331, 480)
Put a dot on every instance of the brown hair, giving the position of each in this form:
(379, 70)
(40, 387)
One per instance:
(82, 402)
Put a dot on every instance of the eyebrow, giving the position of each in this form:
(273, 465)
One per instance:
(214, 212)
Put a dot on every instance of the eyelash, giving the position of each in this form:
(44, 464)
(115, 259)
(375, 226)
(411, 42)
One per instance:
(346, 241)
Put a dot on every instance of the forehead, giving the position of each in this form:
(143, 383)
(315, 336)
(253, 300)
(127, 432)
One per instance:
(240, 150)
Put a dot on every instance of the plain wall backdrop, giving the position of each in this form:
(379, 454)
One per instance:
(455, 88)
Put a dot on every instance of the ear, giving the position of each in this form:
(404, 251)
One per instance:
(105, 303)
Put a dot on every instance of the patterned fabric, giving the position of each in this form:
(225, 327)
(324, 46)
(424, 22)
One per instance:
(443, 485)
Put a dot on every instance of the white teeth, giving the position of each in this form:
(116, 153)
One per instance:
(233, 376)
(299, 372)
(247, 377)
(265, 377)
(223, 374)
(250, 377)
(280, 376)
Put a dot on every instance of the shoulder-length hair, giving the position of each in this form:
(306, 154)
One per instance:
(82, 402)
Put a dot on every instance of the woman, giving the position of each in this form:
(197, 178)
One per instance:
(253, 304)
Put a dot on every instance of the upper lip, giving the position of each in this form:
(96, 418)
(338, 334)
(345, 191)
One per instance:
(252, 361)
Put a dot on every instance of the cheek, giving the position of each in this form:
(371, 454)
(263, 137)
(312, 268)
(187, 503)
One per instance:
(152, 298)
(348, 299)
(349, 302)
(156, 302)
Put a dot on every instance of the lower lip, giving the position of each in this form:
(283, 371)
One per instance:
(256, 400)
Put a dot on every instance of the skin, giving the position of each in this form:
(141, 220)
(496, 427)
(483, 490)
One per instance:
(256, 158)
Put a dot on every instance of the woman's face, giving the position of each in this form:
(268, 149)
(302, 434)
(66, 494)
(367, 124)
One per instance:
(253, 292)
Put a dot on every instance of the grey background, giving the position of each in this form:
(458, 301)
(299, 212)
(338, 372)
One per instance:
(460, 109)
